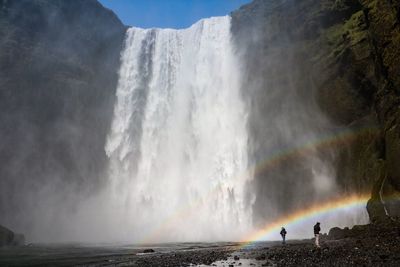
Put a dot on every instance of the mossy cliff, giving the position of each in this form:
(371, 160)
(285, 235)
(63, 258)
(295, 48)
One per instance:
(345, 55)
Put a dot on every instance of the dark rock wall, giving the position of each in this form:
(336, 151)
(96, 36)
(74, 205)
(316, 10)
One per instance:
(58, 75)
(274, 39)
(347, 58)
(383, 19)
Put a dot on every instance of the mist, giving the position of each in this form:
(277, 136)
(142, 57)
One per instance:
(58, 76)
(293, 168)
(158, 135)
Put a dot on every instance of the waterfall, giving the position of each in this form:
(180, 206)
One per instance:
(178, 141)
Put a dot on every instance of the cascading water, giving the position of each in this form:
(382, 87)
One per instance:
(178, 143)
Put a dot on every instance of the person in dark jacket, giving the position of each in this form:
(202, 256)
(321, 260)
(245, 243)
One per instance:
(317, 229)
(283, 234)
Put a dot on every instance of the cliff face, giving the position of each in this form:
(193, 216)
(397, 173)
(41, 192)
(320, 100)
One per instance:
(58, 74)
(383, 21)
(345, 56)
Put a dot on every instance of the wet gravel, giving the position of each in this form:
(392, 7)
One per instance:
(205, 257)
(368, 245)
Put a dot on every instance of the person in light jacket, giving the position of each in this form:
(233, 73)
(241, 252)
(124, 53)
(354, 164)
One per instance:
(317, 229)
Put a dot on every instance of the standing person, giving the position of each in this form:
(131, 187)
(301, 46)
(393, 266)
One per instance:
(317, 229)
(283, 234)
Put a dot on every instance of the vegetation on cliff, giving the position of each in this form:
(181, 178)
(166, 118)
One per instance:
(346, 55)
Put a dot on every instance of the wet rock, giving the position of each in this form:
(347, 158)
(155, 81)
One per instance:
(375, 244)
(6, 236)
(261, 257)
(148, 250)
(336, 233)
(9, 238)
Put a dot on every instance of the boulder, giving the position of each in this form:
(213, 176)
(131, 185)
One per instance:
(376, 210)
(6, 236)
(337, 233)
(9, 238)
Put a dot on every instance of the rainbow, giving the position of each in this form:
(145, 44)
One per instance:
(337, 139)
(300, 216)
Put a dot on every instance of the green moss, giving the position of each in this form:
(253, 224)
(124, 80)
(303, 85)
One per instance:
(350, 33)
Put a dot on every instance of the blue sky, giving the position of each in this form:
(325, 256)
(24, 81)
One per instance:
(176, 14)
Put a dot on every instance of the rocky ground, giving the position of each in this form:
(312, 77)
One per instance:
(78, 255)
(368, 245)
(205, 257)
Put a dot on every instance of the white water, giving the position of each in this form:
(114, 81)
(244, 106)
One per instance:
(178, 143)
